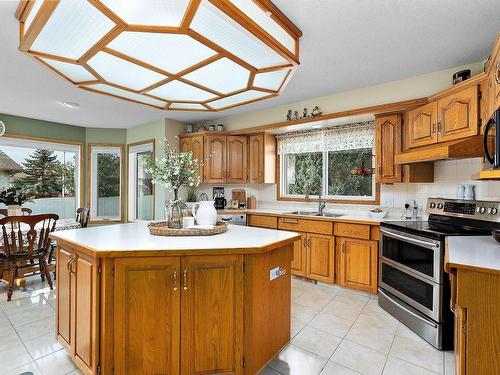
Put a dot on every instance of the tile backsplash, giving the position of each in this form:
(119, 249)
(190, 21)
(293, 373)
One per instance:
(448, 174)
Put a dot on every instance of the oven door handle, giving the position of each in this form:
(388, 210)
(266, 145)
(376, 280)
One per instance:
(432, 324)
(412, 240)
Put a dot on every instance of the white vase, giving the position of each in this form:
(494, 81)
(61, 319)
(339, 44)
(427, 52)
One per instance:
(14, 210)
(469, 193)
(204, 213)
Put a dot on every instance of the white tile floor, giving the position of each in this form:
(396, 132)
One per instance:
(340, 331)
(334, 331)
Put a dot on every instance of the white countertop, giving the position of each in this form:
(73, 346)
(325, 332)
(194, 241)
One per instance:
(136, 237)
(474, 252)
(347, 216)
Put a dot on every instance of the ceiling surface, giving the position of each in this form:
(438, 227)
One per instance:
(346, 45)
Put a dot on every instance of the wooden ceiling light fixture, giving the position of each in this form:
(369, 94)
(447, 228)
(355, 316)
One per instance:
(189, 55)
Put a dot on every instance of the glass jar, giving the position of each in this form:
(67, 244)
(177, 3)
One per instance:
(175, 210)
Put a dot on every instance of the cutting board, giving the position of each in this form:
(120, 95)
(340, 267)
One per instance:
(239, 195)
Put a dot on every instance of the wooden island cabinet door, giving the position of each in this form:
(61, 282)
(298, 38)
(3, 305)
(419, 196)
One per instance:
(458, 115)
(212, 315)
(358, 264)
(237, 160)
(215, 155)
(147, 315)
(63, 321)
(422, 125)
(299, 261)
(320, 257)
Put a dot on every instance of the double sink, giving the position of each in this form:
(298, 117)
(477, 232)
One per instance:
(313, 213)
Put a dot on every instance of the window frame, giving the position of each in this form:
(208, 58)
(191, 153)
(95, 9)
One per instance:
(15, 140)
(132, 183)
(280, 186)
(91, 183)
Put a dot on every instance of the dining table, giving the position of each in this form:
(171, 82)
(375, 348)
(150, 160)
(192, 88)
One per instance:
(61, 224)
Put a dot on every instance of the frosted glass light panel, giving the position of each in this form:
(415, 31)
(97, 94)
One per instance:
(188, 106)
(215, 25)
(74, 72)
(72, 29)
(169, 52)
(238, 99)
(259, 16)
(271, 80)
(223, 76)
(122, 72)
(180, 91)
(149, 12)
(127, 94)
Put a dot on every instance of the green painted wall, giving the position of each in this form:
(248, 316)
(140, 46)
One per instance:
(44, 129)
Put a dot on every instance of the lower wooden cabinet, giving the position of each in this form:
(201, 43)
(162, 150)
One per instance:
(77, 300)
(299, 262)
(320, 257)
(357, 264)
(168, 303)
(142, 323)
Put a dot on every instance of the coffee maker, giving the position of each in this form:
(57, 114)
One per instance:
(218, 195)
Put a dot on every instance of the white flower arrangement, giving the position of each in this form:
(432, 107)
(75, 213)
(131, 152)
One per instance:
(174, 169)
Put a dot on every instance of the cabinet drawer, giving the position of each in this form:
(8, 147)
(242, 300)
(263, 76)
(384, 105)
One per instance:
(302, 225)
(263, 221)
(360, 231)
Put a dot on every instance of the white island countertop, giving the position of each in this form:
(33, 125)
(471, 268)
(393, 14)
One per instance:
(117, 239)
(480, 253)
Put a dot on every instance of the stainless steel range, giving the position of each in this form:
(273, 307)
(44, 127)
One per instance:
(413, 286)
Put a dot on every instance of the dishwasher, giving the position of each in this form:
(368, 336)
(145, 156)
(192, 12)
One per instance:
(235, 219)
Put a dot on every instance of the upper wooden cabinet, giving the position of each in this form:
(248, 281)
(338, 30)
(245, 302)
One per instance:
(237, 159)
(215, 156)
(193, 144)
(451, 117)
(388, 144)
(422, 124)
(458, 115)
(262, 159)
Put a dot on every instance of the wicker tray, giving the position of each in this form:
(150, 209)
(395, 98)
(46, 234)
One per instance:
(161, 229)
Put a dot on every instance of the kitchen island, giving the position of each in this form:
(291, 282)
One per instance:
(132, 303)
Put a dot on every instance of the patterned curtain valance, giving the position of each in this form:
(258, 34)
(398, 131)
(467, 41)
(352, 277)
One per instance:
(338, 138)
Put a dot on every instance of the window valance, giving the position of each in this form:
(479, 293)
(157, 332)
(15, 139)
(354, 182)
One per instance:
(338, 138)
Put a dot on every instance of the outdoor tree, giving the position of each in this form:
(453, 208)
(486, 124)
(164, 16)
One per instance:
(108, 172)
(41, 173)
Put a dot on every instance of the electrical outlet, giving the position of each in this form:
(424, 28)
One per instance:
(389, 202)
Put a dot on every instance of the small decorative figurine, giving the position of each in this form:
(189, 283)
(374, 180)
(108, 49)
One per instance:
(316, 112)
(304, 114)
(289, 115)
(296, 115)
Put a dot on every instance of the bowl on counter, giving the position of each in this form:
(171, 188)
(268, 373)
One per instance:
(377, 214)
(496, 235)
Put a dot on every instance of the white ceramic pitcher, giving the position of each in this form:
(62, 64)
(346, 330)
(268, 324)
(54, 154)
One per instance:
(204, 213)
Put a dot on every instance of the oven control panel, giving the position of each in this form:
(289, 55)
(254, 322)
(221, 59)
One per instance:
(479, 210)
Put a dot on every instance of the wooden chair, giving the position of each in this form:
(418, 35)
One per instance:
(82, 216)
(27, 248)
(26, 211)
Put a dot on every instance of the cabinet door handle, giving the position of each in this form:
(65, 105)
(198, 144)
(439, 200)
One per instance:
(343, 247)
(439, 127)
(305, 242)
(71, 266)
(68, 265)
(185, 287)
(289, 221)
(433, 128)
(175, 280)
